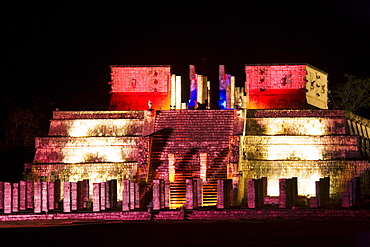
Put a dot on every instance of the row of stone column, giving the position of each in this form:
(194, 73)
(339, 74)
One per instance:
(28, 195)
(45, 196)
(288, 193)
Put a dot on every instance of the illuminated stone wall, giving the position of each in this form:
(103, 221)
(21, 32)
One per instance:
(94, 145)
(134, 86)
(308, 144)
(307, 171)
(86, 149)
(285, 86)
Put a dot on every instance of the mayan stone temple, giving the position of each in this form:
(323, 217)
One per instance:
(270, 144)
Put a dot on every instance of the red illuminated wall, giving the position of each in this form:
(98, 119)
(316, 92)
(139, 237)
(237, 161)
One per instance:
(134, 86)
(276, 86)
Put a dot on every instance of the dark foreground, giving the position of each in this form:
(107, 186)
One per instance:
(341, 232)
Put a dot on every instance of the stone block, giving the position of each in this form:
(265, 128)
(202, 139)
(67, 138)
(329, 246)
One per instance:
(29, 192)
(57, 190)
(189, 194)
(113, 193)
(67, 197)
(80, 195)
(96, 197)
(283, 193)
(107, 195)
(44, 196)
(125, 195)
(1, 195)
(73, 196)
(322, 191)
(167, 193)
(356, 191)
(37, 197)
(102, 195)
(251, 193)
(198, 186)
(137, 195)
(156, 195)
(22, 195)
(15, 197)
(7, 198)
(85, 192)
(51, 195)
(132, 195)
(318, 192)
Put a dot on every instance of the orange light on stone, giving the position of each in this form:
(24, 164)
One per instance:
(171, 167)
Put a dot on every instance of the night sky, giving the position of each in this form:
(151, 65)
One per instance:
(63, 51)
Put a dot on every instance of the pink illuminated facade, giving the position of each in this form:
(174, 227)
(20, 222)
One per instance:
(134, 87)
(285, 86)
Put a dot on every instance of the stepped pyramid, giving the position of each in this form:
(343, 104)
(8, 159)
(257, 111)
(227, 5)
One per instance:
(152, 142)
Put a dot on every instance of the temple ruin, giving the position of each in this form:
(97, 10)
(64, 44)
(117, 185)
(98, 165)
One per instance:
(277, 126)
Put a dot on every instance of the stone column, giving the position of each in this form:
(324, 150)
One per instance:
(199, 192)
(125, 195)
(37, 197)
(73, 196)
(156, 195)
(22, 195)
(51, 195)
(171, 167)
(162, 193)
(85, 192)
(283, 193)
(113, 193)
(132, 195)
(318, 193)
(67, 197)
(137, 195)
(295, 189)
(203, 166)
(102, 195)
(251, 193)
(57, 197)
(80, 195)
(264, 181)
(1, 195)
(356, 191)
(44, 196)
(7, 198)
(108, 195)
(324, 191)
(15, 197)
(96, 197)
(29, 196)
(166, 194)
(189, 194)
(220, 194)
(178, 92)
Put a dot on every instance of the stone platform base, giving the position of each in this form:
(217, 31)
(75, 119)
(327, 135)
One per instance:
(193, 215)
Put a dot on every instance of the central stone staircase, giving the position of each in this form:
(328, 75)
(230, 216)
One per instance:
(186, 134)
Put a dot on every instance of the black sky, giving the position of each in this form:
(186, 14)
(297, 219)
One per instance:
(63, 51)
